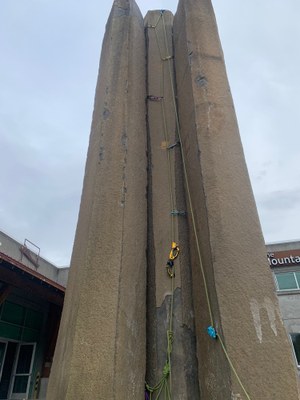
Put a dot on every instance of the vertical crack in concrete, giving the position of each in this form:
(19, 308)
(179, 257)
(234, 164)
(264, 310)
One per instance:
(150, 288)
(123, 143)
(123, 205)
(184, 359)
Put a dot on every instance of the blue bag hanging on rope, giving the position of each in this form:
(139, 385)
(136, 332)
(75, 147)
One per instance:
(212, 332)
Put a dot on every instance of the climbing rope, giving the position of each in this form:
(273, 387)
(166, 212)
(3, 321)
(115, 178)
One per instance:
(211, 330)
(164, 384)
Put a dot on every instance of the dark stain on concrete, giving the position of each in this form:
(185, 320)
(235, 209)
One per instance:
(121, 12)
(124, 140)
(101, 153)
(106, 113)
(211, 57)
(201, 80)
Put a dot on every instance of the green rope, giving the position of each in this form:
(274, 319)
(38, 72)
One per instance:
(163, 387)
(233, 368)
(164, 384)
(194, 222)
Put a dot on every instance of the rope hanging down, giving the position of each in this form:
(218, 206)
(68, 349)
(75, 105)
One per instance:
(164, 385)
(217, 336)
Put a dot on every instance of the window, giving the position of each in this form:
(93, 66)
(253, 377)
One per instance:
(20, 323)
(22, 371)
(296, 344)
(288, 281)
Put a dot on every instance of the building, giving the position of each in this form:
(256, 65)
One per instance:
(31, 298)
(284, 259)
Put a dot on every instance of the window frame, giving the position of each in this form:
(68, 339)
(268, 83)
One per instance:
(289, 289)
(16, 395)
(293, 348)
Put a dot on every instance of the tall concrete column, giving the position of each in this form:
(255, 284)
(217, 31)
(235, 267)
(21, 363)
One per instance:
(100, 353)
(221, 275)
(166, 194)
(240, 287)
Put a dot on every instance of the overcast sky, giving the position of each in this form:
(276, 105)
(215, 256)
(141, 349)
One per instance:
(49, 55)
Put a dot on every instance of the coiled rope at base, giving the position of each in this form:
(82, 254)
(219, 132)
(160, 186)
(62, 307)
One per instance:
(164, 384)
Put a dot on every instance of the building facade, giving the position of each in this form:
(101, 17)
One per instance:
(284, 260)
(31, 298)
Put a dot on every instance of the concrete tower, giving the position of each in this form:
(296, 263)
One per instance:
(169, 280)
(101, 349)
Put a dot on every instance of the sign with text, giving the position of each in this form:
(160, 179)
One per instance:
(284, 258)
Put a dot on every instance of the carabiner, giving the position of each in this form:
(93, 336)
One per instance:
(170, 270)
(174, 251)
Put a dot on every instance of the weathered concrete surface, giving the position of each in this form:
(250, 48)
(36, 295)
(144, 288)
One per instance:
(100, 352)
(165, 193)
(240, 284)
